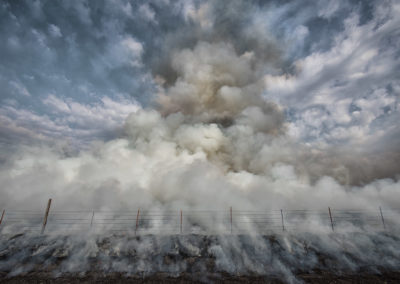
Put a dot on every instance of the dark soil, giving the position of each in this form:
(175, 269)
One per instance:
(315, 278)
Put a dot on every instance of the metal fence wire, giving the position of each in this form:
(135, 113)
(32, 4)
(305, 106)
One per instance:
(142, 221)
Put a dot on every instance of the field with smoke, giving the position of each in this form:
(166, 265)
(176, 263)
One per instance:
(266, 108)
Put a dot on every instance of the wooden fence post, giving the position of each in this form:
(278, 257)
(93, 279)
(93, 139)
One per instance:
(137, 221)
(383, 220)
(2, 216)
(230, 209)
(46, 215)
(91, 221)
(181, 221)
(330, 216)
(283, 224)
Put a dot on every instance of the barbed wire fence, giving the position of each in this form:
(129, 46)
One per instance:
(231, 221)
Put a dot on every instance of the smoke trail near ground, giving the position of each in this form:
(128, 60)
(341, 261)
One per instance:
(202, 257)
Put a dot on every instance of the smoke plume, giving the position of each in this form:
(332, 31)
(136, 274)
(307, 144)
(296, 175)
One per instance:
(211, 138)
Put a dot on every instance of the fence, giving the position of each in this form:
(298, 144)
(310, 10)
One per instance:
(231, 221)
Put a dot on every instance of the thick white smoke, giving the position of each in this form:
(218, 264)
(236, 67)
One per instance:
(212, 141)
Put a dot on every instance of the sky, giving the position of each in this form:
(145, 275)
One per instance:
(72, 73)
(75, 69)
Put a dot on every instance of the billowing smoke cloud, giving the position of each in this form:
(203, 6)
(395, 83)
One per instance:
(211, 131)
(212, 134)
(211, 138)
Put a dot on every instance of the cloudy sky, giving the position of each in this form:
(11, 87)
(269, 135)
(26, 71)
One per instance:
(72, 71)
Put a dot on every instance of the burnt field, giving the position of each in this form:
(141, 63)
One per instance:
(316, 277)
(286, 258)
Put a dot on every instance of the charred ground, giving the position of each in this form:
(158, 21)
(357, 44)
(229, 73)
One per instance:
(334, 258)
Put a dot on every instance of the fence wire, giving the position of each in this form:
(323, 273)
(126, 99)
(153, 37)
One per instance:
(141, 221)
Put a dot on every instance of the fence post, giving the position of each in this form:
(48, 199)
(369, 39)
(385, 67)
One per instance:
(137, 220)
(181, 221)
(230, 209)
(2, 216)
(330, 216)
(91, 221)
(46, 215)
(383, 220)
(283, 224)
